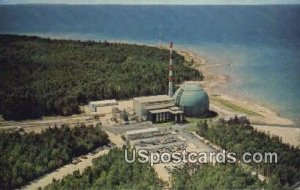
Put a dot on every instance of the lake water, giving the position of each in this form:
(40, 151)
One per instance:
(260, 43)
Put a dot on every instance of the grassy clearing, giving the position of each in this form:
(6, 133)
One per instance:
(191, 128)
(165, 124)
(194, 120)
(234, 107)
(192, 123)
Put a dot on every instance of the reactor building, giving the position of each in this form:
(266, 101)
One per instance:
(192, 99)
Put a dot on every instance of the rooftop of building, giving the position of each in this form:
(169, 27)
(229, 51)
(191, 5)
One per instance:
(159, 106)
(174, 108)
(173, 111)
(176, 111)
(104, 102)
(159, 111)
(157, 98)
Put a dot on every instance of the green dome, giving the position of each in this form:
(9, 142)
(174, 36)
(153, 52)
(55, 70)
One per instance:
(192, 99)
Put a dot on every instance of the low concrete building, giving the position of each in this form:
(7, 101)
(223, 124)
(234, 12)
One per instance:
(93, 105)
(158, 108)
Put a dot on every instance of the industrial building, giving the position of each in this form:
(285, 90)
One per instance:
(94, 105)
(189, 100)
(192, 99)
(158, 108)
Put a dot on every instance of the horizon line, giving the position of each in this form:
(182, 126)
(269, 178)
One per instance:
(141, 4)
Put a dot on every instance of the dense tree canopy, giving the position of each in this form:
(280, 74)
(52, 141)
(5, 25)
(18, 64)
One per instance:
(111, 172)
(207, 176)
(25, 157)
(44, 77)
(237, 135)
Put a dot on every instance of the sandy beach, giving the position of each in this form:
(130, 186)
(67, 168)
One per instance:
(262, 117)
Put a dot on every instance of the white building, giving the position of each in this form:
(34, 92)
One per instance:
(157, 108)
(102, 103)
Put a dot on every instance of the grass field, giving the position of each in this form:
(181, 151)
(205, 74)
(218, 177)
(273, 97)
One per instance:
(192, 123)
(234, 107)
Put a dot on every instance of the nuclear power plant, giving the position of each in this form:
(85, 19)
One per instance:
(190, 100)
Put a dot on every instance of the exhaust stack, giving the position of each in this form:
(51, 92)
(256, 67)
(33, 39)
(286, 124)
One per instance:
(171, 78)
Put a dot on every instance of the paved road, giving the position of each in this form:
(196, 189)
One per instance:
(47, 122)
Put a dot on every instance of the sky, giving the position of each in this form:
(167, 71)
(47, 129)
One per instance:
(179, 2)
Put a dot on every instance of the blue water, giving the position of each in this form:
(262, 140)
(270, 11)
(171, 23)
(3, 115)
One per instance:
(266, 75)
(261, 43)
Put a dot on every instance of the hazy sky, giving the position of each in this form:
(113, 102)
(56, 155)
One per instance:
(185, 2)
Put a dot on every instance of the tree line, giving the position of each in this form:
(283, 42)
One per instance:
(220, 176)
(237, 135)
(111, 172)
(27, 156)
(47, 77)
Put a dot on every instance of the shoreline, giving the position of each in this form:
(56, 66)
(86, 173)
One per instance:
(261, 117)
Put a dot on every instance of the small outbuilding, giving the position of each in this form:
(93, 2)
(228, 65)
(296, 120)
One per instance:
(93, 105)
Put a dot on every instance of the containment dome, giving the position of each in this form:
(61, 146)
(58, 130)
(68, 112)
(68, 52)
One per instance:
(192, 99)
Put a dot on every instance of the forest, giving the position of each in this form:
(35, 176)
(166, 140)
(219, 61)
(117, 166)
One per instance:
(111, 172)
(237, 135)
(26, 156)
(220, 176)
(53, 77)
